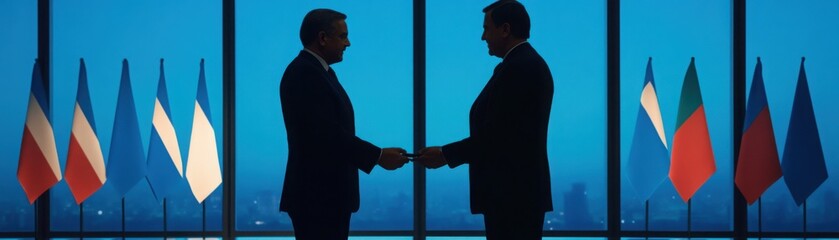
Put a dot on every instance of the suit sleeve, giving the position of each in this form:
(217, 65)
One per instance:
(316, 119)
(460, 152)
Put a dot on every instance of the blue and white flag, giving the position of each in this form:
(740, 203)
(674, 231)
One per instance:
(649, 159)
(202, 168)
(165, 165)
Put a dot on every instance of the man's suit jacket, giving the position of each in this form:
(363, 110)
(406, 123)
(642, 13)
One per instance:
(324, 155)
(507, 144)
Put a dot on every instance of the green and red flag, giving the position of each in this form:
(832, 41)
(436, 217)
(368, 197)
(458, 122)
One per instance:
(692, 160)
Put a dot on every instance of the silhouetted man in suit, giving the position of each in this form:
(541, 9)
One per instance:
(506, 149)
(321, 182)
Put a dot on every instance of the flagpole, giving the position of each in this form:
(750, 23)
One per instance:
(81, 220)
(760, 218)
(689, 206)
(805, 219)
(123, 218)
(164, 219)
(647, 219)
(203, 221)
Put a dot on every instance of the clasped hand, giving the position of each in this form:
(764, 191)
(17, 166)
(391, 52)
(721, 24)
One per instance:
(395, 158)
(392, 158)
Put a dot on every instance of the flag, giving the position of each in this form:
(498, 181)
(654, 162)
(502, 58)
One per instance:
(38, 167)
(649, 158)
(202, 168)
(692, 162)
(758, 166)
(85, 172)
(803, 166)
(126, 162)
(165, 166)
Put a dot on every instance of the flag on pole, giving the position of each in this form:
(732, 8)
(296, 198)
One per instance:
(85, 171)
(165, 165)
(692, 162)
(758, 166)
(804, 167)
(202, 168)
(649, 158)
(38, 167)
(126, 162)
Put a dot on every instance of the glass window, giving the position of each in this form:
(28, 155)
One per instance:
(671, 33)
(377, 73)
(104, 33)
(351, 238)
(675, 238)
(546, 238)
(114, 238)
(780, 44)
(18, 25)
(776, 238)
(571, 37)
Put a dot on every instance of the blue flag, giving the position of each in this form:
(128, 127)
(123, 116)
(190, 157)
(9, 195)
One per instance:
(126, 162)
(649, 159)
(803, 165)
(165, 165)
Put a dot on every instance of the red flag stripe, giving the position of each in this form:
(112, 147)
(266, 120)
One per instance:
(34, 172)
(80, 174)
(692, 158)
(758, 166)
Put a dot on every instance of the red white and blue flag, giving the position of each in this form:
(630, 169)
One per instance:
(85, 172)
(38, 167)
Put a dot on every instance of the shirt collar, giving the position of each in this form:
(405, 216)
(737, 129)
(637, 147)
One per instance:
(514, 47)
(322, 62)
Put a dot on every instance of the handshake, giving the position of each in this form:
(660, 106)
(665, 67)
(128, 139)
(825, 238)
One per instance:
(394, 158)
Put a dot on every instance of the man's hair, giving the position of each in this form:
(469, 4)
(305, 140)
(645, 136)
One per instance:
(513, 13)
(316, 21)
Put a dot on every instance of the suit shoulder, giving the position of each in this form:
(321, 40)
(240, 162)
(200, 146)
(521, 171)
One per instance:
(530, 62)
(297, 66)
(299, 76)
(534, 58)
(298, 70)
